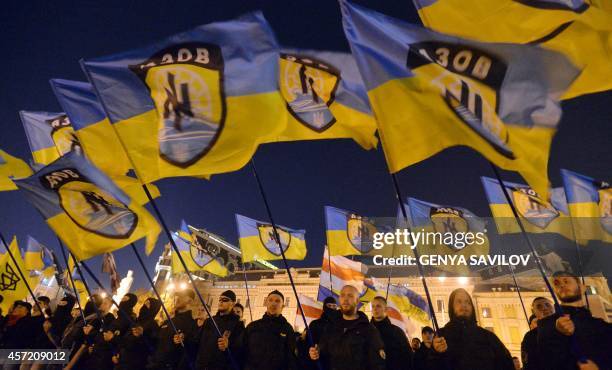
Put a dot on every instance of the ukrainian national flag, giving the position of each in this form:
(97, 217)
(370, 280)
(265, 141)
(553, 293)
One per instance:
(337, 272)
(37, 256)
(196, 103)
(325, 98)
(430, 91)
(195, 257)
(538, 215)
(92, 128)
(579, 29)
(11, 168)
(257, 241)
(450, 224)
(407, 302)
(12, 284)
(348, 233)
(590, 206)
(86, 209)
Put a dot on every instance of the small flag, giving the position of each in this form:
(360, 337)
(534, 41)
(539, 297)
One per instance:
(348, 233)
(86, 209)
(110, 267)
(257, 241)
(196, 257)
(343, 272)
(37, 256)
(312, 311)
(12, 285)
(11, 168)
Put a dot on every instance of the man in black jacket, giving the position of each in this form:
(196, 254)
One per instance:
(352, 342)
(421, 356)
(573, 339)
(269, 343)
(397, 350)
(541, 307)
(213, 353)
(317, 328)
(463, 345)
(177, 351)
(139, 342)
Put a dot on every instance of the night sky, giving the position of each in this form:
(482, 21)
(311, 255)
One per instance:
(43, 40)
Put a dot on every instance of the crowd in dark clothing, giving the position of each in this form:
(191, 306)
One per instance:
(341, 339)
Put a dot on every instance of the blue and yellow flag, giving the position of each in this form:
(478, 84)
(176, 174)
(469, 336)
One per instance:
(579, 29)
(92, 128)
(12, 285)
(196, 103)
(52, 135)
(348, 233)
(257, 241)
(195, 256)
(37, 256)
(325, 98)
(590, 206)
(445, 230)
(430, 92)
(11, 168)
(406, 301)
(86, 209)
(538, 215)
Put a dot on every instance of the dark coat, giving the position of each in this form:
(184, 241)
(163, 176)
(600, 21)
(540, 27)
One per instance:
(470, 347)
(209, 355)
(529, 351)
(135, 351)
(422, 357)
(592, 339)
(15, 336)
(269, 344)
(397, 349)
(352, 345)
(174, 356)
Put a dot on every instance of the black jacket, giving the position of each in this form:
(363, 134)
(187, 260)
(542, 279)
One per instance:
(592, 339)
(16, 336)
(470, 347)
(173, 356)
(269, 344)
(529, 351)
(209, 355)
(352, 345)
(397, 349)
(318, 328)
(422, 357)
(135, 351)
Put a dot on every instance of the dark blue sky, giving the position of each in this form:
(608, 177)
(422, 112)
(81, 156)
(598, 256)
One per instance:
(43, 40)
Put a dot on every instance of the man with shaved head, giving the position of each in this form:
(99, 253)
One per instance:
(352, 342)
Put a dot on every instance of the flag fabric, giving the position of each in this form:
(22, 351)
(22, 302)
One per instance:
(79, 285)
(569, 27)
(590, 205)
(444, 231)
(257, 241)
(347, 232)
(37, 256)
(184, 231)
(52, 135)
(12, 285)
(195, 256)
(86, 209)
(538, 215)
(312, 311)
(110, 267)
(196, 103)
(337, 272)
(431, 91)
(92, 128)
(325, 98)
(11, 168)
(406, 301)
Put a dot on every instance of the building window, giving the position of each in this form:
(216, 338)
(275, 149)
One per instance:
(287, 301)
(440, 304)
(248, 303)
(486, 312)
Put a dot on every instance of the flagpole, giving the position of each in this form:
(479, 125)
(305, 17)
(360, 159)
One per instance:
(278, 241)
(398, 193)
(163, 305)
(246, 286)
(78, 268)
(76, 292)
(191, 279)
(579, 255)
(518, 290)
(8, 249)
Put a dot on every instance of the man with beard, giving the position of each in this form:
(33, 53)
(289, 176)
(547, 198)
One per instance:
(541, 308)
(269, 343)
(397, 350)
(213, 352)
(317, 328)
(571, 338)
(139, 342)
(352, 342)
(421, 355)
(176, 351)
(463, 345)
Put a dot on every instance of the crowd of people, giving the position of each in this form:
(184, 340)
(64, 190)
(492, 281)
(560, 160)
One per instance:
(343, 338)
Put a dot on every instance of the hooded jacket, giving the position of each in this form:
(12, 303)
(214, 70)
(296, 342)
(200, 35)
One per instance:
(352, 345)
(318, 328)
(134, 351)
(209, 355)
(397, 349)
(269, 344)
(173, 356)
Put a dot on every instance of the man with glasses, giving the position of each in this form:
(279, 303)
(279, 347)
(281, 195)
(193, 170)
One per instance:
(213, 350)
